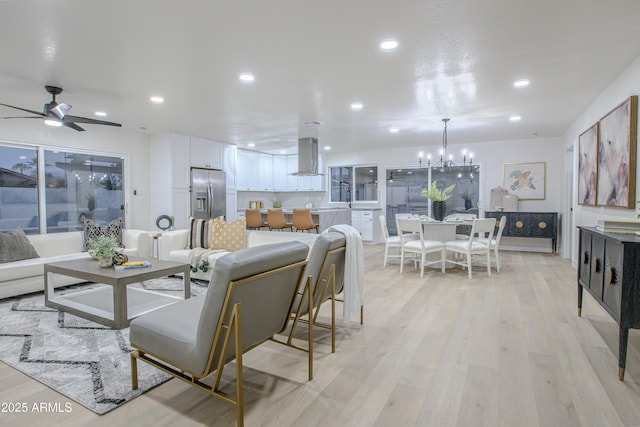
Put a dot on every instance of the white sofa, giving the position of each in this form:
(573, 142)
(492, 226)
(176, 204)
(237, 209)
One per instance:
(172, 246)
(25, 276)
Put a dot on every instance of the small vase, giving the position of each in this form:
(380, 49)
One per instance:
(439, 209)
(105, 261)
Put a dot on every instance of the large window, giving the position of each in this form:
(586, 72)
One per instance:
(354, 184)
(76, 186)
(19, 189)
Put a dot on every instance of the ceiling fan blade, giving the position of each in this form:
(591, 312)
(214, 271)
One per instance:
(24, 109)
(76, 119)
(73, 126)
(22, 117)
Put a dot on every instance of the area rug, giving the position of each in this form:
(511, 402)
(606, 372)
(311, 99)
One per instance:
(85, 361)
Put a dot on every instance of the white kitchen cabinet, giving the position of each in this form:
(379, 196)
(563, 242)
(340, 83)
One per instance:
(206, 153)
(365, 222)
(292, 167)
(280, 173)
(265, 172)
(180, 207)
(248, 170)
(232, 205)
(229, 163)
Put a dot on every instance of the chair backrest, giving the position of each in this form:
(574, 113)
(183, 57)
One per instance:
(482, 227)
(264, 282)
(503, 223)
(275, 218)
(328, 249)
(254, 218)
(383, 226)
(302, 220)
(460, 217)
(409, 226)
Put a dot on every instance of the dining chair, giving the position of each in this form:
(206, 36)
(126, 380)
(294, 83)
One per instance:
(390, 242)
(302, 220)
(494, 242)
(407, 230)
(254, 219)
(276, 221)
(472, 246)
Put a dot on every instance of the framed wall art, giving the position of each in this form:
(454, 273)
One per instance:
(525, 180)
(617, 156)
(588, 166)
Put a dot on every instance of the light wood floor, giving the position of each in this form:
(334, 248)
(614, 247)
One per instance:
(508, 350)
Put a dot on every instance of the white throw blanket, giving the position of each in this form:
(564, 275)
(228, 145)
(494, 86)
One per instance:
(353, 269)
(198, 255)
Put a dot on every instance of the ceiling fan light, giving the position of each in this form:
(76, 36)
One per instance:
(52, 122)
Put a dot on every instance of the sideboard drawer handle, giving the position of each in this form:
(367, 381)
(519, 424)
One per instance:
(585, 257)
(519, 224)
(610, 275)
(542, 225)
(596, 267)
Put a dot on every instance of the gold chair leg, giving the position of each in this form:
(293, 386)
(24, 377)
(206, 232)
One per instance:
(134, 370)
(239, 380)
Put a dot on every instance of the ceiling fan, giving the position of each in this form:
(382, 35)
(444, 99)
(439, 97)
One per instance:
(55, 114)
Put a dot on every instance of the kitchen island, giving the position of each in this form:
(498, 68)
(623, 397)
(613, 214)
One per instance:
(324, 217)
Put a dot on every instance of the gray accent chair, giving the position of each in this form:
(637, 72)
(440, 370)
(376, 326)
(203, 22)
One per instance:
(326, 264)
(249, 299)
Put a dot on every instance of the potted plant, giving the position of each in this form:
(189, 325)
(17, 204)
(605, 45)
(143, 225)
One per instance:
(438, 199)
(468, 204)
(103, 248)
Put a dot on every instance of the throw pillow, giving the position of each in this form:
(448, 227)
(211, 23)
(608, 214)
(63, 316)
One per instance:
(199, 233)
(229, 236)
(93, 230)
(14, 246)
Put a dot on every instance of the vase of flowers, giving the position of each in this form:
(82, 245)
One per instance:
(438, 199)
(103, 248)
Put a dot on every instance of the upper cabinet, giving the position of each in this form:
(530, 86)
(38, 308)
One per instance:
(206, 153)
(265, 172)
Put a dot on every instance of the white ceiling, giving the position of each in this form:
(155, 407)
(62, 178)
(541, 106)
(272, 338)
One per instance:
(312, 59)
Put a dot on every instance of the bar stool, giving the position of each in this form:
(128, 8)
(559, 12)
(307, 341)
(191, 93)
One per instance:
(276, 221)
(302, 220)
(254, 219)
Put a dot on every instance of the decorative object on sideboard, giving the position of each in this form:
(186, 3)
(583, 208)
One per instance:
(525, 180)
(617, 155)
(588, 166)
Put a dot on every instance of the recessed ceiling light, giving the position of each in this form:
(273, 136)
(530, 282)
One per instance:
(521, 83)
(388, 45)
(251, 144)
(356, 106)
(326, 147)
(100, 114)
(156, 99)
(515, 118)
(394, 130)
(247, 77)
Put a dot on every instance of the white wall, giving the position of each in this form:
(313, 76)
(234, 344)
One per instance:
(627, 84)
(133, 146)
(490, 155)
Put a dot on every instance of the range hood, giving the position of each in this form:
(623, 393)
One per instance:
(307, 157)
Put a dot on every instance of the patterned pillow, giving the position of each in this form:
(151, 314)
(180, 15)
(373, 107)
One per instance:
(93, 230)
(229, 236)
(199, 232)
(14, 246)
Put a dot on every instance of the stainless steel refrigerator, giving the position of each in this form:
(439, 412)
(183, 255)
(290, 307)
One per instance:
(208, 193)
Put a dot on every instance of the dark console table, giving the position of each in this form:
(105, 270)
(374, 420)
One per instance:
(609, 271)
(530, 224)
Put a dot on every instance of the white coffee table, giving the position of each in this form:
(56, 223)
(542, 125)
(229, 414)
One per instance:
(115, 303)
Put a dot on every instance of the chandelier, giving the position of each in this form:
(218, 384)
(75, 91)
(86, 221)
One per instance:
(446, 161)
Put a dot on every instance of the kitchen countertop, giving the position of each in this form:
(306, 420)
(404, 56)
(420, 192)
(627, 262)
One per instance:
(314, 211)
